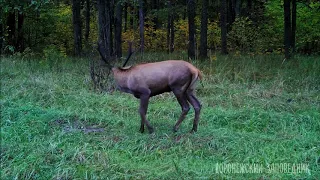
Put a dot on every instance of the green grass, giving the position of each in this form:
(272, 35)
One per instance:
(256, 110)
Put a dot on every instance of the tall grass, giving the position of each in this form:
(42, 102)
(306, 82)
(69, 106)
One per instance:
(256, 110)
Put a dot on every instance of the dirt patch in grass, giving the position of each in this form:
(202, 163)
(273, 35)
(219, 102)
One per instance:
(75, 126)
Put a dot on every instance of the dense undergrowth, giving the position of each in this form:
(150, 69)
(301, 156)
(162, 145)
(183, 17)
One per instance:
(257, 110)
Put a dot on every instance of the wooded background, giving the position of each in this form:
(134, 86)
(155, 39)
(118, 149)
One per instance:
(70, 27)
(61, 117)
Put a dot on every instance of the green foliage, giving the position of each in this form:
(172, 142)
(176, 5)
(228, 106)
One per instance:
(255, 110)
(308, 26)
(244, 36)
(214, 35)
(54, 27)
(26, 55)
(22, 6)
(48, 23)
(29, 10)
(10, 49)
(273, 30)
(54, 57)
(181, 34)
(156, 39)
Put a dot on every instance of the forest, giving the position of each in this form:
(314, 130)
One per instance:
(62, 116)
(199, 28)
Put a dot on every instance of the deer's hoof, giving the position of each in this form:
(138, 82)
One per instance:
(174, 129)
(151, 130)
(141, 130)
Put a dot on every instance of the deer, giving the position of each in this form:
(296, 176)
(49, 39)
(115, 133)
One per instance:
(146, 80)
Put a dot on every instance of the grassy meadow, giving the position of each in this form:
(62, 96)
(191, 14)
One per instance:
(258, 111)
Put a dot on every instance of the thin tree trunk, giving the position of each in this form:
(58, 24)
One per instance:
(223, 21)
(1, 37)
(108, 32)
(155, 6)
(237, 8)
(249, 8)
(104, 26)
(172, 32)
(141, 25)
(76, 27)
(249, 5)
(294, 25)
(132, 15)
(204, 30)
(170, 28)
(125, 16)
(287, 28)
(185, 12)
(110, 8)
(20, 39)
(230, 12)
(87, 30)
(101, 20)
(191, 8)
(118, 29)
(34, 41)
(11, 24)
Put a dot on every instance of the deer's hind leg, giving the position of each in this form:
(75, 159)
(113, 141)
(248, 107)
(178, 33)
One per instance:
(182, 99)
(197, 108)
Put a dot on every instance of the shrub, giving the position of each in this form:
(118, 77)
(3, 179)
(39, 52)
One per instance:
(244, 36)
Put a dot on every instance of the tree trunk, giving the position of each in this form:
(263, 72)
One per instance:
(230, 12)
(249, 8)
(87, 30)
(20, 37)
(141, 25)
(102, 18)
(118, 29)
(237, 8)
(11, 24)
(223, 21)
(287, 28)
(204, 30)
(172, 32)
(125, 16)
(110, 8)
(1, 37)
(132, 15)
(76, 19)
(104, 26)
(191, 8)
(249, 5)
(170, 28)
(294, 25)
(155, 6)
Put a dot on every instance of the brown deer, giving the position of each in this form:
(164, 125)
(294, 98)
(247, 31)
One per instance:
(150, 79)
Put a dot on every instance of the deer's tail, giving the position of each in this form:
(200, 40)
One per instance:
(196, 74)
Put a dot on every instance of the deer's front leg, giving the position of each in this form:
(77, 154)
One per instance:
(144, 101)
